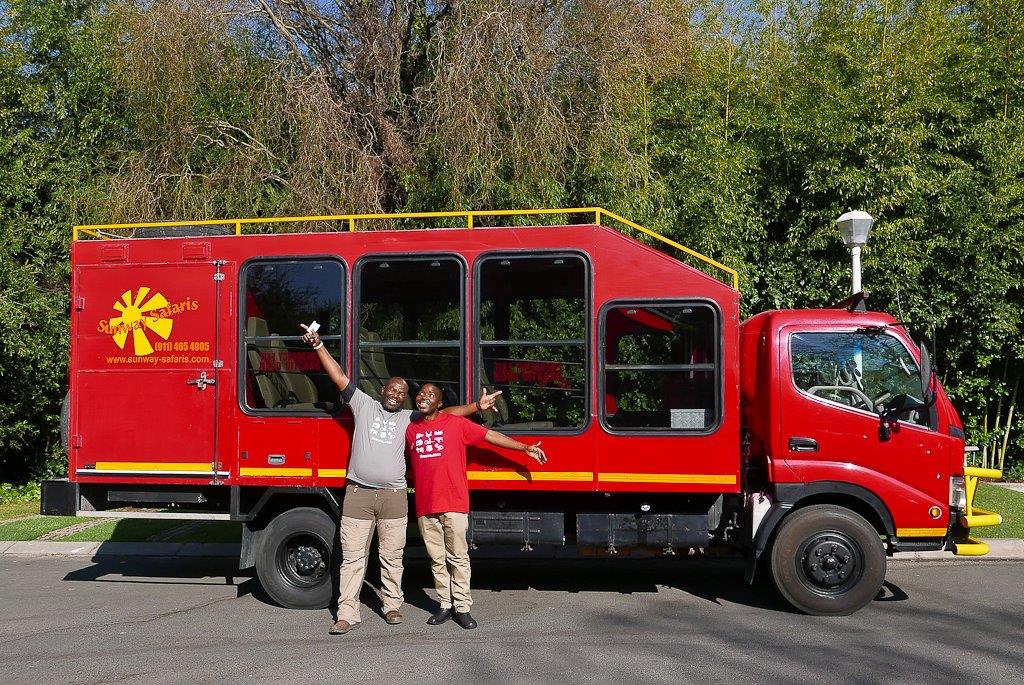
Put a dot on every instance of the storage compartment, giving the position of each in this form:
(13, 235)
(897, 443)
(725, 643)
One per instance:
(516, 528)
(642, 530)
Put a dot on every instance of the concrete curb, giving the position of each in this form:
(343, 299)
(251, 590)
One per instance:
(998, 549)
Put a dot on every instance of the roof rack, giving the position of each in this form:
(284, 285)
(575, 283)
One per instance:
(350, 222)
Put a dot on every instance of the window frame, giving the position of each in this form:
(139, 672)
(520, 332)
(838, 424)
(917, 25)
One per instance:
(719, 365)
(242, 359)
(932, 424)
(588, 300)
(357, 301)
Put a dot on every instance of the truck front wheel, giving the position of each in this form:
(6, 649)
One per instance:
(827, 560)
(294, 558)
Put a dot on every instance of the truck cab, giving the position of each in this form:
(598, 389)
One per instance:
(840, 410)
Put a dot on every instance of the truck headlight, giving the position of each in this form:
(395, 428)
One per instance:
(957, 493)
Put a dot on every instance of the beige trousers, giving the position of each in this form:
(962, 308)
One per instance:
(445, 538)
(356, 535)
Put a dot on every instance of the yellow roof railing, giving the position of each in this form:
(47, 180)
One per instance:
(349, 222)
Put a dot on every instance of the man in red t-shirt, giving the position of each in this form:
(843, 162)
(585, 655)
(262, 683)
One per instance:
(437, 451)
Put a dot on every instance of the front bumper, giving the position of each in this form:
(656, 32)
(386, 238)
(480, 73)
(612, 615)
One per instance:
(964, 545)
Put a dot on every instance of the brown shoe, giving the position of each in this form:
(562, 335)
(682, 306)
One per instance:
(342, 627)
(393, 617)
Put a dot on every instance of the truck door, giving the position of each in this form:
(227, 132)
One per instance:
(834, 387)
(144, 394)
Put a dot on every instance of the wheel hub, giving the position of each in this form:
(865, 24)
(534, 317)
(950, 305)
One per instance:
(829, 562)
(308, 560)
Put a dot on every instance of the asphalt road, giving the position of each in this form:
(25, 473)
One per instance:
(600, 621)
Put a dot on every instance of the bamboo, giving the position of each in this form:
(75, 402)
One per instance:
(999, 415)
(1009, 422)
(984, 431)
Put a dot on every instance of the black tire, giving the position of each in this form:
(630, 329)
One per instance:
(827, 560)
(65, 421)
(294, 558)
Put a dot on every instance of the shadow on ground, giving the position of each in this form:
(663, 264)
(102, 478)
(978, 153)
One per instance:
(715, 581)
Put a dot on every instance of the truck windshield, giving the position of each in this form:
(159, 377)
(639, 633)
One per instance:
(868, 371)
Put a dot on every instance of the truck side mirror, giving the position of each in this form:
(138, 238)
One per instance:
(926, 375)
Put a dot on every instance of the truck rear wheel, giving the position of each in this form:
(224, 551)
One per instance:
(294, 559)
(827, 560)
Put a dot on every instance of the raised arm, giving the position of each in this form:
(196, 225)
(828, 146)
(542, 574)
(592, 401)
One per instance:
(485, 402)
(331, 366)
(502, 440)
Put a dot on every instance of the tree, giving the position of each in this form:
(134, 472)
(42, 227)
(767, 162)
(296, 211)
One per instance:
(56, 116)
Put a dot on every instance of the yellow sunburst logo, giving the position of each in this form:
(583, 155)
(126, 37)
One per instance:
(139, 315)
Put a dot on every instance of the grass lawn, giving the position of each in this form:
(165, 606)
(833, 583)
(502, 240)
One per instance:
(140, 530)
(212, 531)
(30, 529)
(13, 510)
(1004, 501)
(123, 530)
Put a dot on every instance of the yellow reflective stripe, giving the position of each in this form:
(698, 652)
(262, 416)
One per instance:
(574, 476)
(204, 467)
(332, 473)
(279, 472)
(920, 532)
(699, 478)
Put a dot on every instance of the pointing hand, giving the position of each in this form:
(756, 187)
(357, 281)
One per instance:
(487, 401)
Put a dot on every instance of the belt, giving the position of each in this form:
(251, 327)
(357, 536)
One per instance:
(371, 487)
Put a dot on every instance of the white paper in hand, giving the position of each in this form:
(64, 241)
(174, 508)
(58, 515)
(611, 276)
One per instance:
(311, 328)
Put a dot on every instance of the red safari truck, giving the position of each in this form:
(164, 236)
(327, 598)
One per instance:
(817, 442)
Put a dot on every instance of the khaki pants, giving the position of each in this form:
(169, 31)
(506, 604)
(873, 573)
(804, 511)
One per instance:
(366, 509)
(445, 538)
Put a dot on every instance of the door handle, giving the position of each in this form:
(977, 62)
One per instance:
(202, 381)
(803, 445)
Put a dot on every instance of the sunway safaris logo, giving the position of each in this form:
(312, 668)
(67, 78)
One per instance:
(141, 316)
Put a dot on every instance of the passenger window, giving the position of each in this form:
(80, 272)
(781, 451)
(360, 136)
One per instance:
(282, 373)
(410, 324)
(532, 340)
(868, 371)
(661, 367)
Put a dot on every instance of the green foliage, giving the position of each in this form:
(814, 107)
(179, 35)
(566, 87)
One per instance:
(11, 494)
(742, 131)
(56, 124)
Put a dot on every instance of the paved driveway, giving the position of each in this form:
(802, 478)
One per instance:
(167, 620)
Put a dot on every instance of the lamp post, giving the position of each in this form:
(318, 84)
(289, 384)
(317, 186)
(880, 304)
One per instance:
(855, 227)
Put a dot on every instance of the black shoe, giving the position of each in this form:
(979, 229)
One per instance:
(465, 620)
(440, 617)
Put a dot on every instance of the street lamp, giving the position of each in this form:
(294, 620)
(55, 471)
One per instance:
(855, 227)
